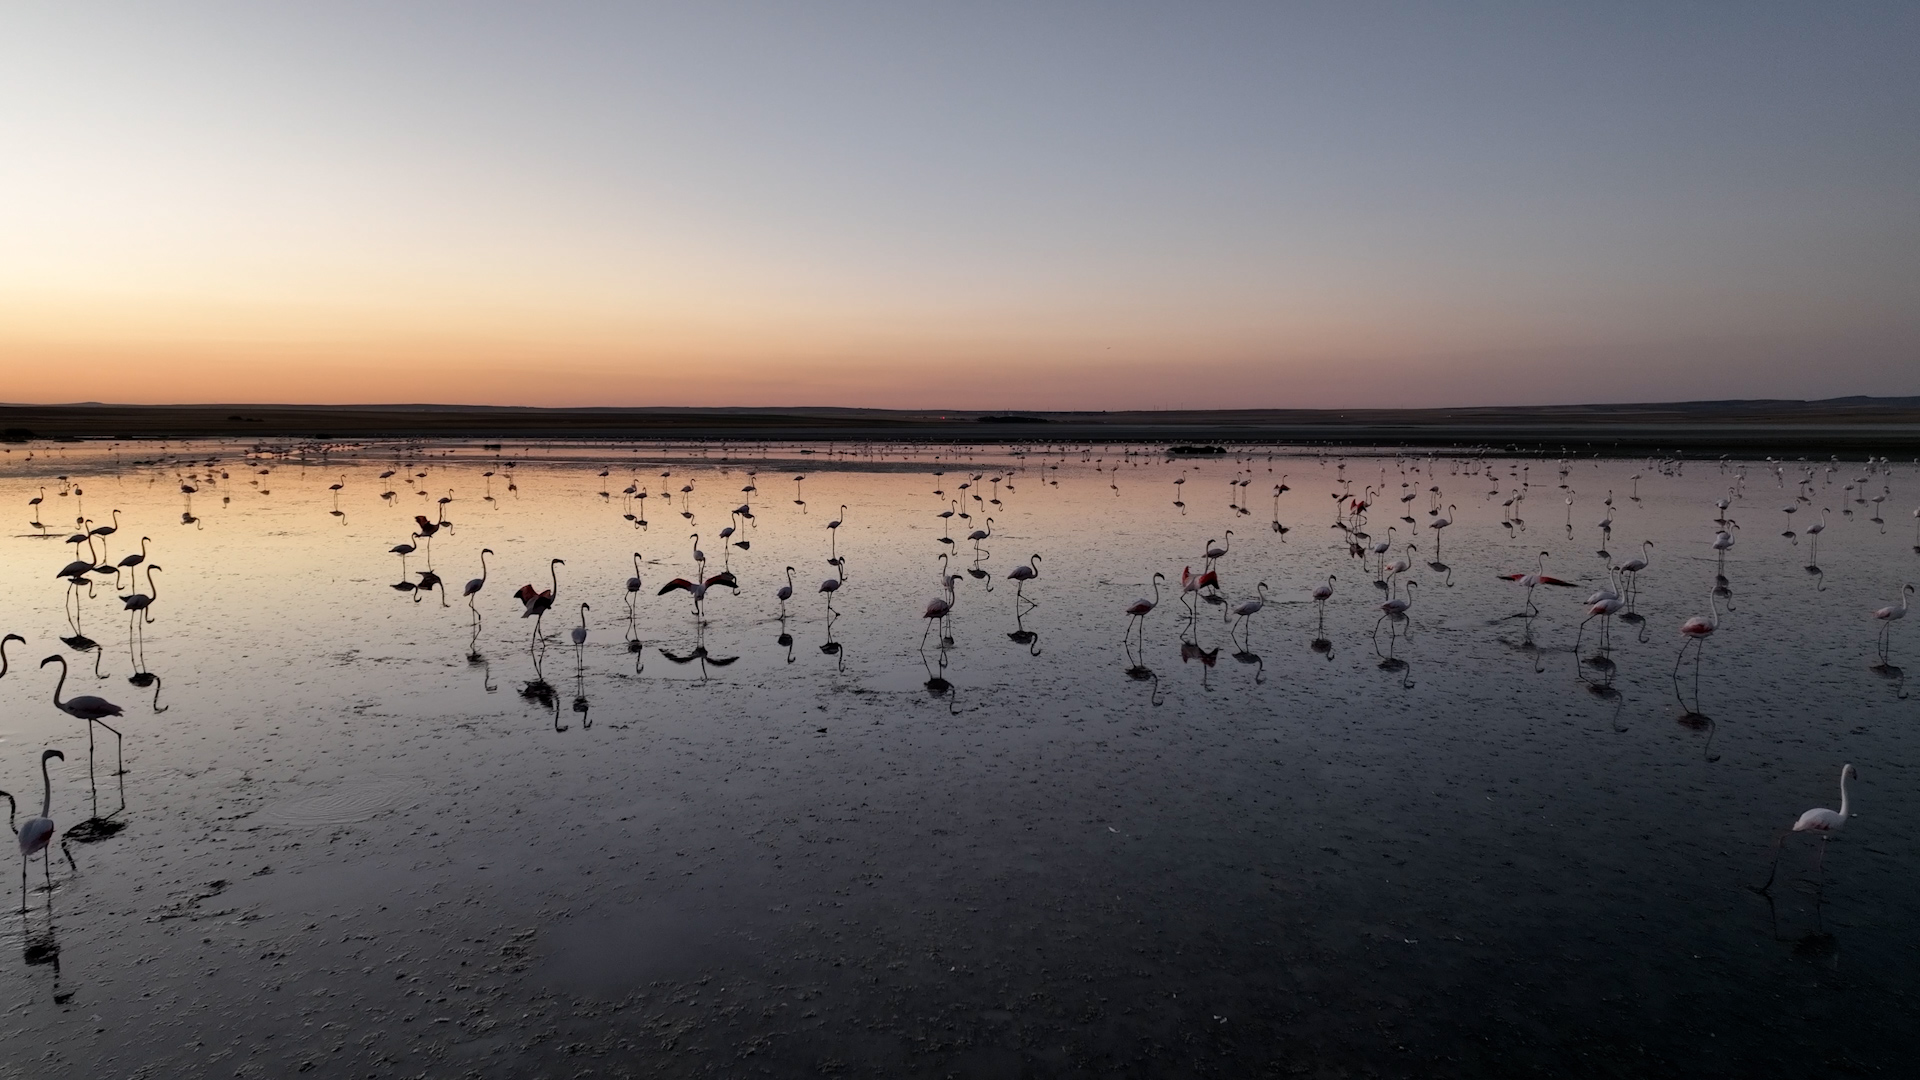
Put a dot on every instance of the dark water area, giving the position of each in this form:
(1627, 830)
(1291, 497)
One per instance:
(366, 830)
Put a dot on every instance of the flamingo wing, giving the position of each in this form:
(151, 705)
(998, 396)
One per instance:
(88, 705)
(1819, 820)
(1545, 580)
(676, 583)
(35, 835)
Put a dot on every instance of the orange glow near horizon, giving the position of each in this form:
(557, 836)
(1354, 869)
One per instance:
(922, 208)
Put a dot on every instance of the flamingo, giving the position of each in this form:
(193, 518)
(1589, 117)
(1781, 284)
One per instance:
(1397, 606)
(1814, 530)
(1697, 630)
(427, 529)
(939, 607)
(1190, 583)
(139, 602)
(1023, 574)
(94, 710)
(1323, 593)
(696, 589)
(785, 592)
(1818, 820)
(1247, 609)
(79, 567)
(580, 632)
(1537, 578)
(830, 586)
(1440, 523)
(404, 550)
(1140, 608)
(978, 535)
(537, 604)
(130, 561)
(104, 531)
(1400, 565)
(1634, 566)
(476, 584)
(37, 833)
(1890, 615)
(1604, 609)
(833, 536)
(1214, 554)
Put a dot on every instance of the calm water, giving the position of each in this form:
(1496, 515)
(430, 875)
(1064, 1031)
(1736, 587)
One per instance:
(361, 833)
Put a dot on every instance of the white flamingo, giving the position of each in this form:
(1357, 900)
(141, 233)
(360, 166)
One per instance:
(37, 832)
(1820, 821)
(1890, 615)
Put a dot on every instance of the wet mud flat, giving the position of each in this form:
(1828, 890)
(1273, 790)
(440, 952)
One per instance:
(1023, 887)
(374, 835)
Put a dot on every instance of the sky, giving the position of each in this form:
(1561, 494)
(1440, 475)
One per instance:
(970, 206)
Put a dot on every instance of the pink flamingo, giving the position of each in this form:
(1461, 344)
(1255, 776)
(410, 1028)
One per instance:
(1140, 608)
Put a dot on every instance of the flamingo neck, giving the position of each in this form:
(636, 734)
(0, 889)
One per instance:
(58, 686)
(46, 789)
(153, 591)
(1845, 807)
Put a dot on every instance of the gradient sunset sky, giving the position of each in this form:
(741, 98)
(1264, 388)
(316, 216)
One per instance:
(978, 205)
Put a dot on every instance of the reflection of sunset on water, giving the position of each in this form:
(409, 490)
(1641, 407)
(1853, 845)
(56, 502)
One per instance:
(349, 737)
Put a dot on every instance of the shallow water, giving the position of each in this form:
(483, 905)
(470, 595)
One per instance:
(368, 836)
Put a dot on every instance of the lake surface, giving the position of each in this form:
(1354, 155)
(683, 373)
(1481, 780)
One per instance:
(365, 831)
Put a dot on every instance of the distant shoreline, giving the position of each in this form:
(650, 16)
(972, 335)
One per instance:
(1855, 425)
